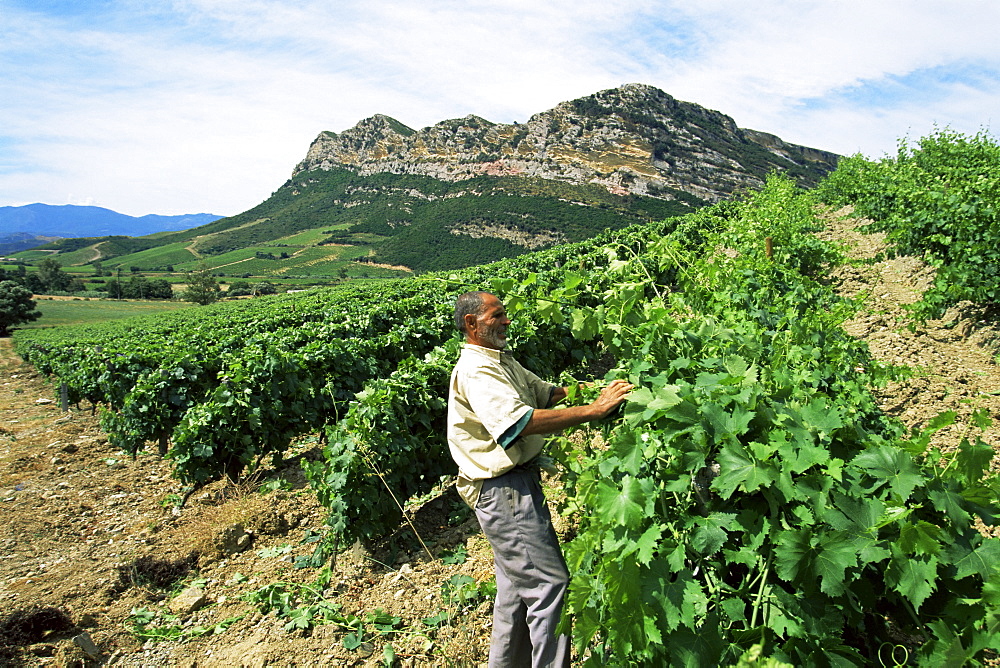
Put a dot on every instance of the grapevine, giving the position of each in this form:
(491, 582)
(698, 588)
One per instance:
(751, 499)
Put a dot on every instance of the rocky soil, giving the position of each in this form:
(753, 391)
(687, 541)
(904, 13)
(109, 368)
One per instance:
(95, 546)
(91, 535)
(953, 359)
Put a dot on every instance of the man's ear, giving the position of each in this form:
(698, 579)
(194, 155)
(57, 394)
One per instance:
(470, 322)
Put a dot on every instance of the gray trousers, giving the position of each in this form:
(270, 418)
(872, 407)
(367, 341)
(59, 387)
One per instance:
(530, 569)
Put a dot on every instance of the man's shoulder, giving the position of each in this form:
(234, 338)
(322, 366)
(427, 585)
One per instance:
(469, 360)
(477, 364)
(473, 356)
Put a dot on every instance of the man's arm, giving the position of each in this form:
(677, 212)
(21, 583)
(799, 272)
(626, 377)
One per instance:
(548, 420)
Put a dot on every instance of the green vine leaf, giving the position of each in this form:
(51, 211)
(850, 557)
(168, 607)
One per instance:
(981, 560)
(913, 577)
(835, 553)
(892, 466)
(623, 505)
(739, 470)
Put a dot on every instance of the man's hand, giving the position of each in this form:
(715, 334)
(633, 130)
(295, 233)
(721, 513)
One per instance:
(548, 420)
(611, 397)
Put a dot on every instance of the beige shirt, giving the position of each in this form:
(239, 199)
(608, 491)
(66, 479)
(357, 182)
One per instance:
(490, 392)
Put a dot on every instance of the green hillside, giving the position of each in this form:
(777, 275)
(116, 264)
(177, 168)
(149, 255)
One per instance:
(320, 221)
(407, 214)
(382, 197)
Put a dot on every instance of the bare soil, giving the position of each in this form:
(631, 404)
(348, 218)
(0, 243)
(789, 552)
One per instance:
(90, 534)
(953, 359)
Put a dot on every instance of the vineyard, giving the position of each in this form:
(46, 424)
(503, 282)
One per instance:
(752, 498)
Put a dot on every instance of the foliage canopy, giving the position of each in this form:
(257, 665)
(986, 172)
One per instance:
(939, 198)
(202, 287)
(16, 306)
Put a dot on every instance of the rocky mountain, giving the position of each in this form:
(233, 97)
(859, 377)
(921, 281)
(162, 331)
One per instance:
(634, 140)
(469, 191)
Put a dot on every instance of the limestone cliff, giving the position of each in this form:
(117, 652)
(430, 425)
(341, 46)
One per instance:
(634, 139)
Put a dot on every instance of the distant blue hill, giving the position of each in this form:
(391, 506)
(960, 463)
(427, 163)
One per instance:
(20, 225)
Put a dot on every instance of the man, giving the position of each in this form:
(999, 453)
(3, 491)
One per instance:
(497, 412)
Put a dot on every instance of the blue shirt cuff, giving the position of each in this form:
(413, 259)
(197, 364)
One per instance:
(514, 431)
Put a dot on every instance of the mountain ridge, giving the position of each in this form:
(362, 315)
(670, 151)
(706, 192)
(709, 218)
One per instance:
(32, 225)
(635, 139)
(469, 191)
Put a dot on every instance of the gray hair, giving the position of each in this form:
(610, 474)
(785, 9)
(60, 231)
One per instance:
(471, 303)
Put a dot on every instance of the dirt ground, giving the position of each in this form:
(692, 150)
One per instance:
(92, 535)
(954, 359)
(93, 542)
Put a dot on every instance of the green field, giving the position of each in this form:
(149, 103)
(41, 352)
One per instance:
(159, 257)
(78, 257)
(305, 261)
(31, 255)
(82, 312)
(234, 262)
(310, 237)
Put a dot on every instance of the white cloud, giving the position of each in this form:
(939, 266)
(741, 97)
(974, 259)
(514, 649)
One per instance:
(208, 104)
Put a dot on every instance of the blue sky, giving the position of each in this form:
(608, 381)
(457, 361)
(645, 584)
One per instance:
(192, 106)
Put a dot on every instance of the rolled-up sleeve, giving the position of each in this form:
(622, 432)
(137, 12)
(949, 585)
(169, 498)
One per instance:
(514, 431)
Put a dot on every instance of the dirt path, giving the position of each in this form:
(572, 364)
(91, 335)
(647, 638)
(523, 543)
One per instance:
(88, 531)
(954, 358)
(96, 254)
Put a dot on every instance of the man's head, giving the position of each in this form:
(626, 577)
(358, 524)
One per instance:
(483, 319)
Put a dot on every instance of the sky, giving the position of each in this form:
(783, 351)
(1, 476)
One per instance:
(205, 106)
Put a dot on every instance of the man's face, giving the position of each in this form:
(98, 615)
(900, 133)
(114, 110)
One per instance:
(490, 329)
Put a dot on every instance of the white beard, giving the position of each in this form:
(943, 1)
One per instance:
(494, 338)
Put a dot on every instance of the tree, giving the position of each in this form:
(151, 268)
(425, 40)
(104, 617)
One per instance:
(10, 276)
(52, 277)
(238, 289)
(203, 288)
(137, 288)
(115, 289)
(16, 306)
(160, 288)
(263, 288)
(144, 288)
(34, 284)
